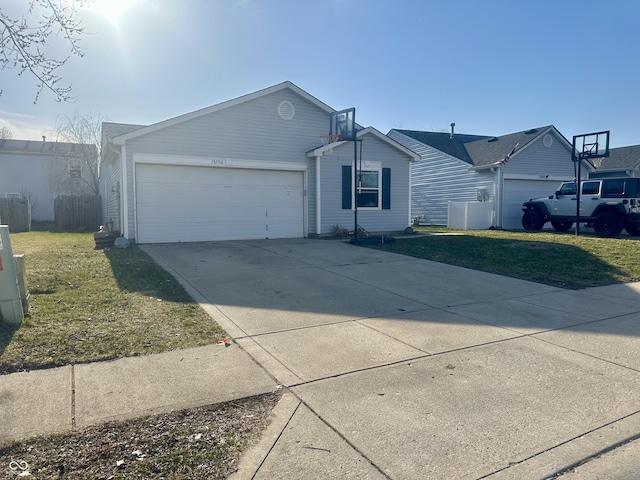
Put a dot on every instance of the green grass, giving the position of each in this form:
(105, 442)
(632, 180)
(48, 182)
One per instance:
(558, 259)
(88, 305)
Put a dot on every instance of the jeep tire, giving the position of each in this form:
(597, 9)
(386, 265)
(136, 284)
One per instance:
(608, 224)
(632, 228)
(532, 219)
(560, 226)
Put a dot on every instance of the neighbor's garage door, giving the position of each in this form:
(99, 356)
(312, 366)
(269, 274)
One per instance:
(516, 192)
(188, 203)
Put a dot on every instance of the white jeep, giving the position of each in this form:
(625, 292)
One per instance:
(607, 204)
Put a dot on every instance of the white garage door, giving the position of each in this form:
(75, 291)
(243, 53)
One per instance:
(189, 204)
(516, 192)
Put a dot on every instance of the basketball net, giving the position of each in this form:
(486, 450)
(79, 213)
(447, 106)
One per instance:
(327, 139)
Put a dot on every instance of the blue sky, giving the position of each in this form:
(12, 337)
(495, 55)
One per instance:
(491, 66)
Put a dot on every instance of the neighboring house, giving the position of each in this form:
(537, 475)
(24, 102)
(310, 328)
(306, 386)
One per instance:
(249, 168)
(40, 170)
(506, 170)
(621, 162)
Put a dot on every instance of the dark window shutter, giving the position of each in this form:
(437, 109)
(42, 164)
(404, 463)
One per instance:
(346, 187)
(386, 188)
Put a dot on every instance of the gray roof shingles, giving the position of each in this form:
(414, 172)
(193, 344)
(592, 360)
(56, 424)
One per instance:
(445, 143)
(488, 152)
(476, 150)
(111, 130)
(620, 158)
(47, 148)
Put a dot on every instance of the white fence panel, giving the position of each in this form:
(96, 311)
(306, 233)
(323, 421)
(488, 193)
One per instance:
(470, 215)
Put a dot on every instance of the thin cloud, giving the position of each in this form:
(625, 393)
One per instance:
(25, 127)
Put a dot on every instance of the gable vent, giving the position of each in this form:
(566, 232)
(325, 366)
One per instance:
(286, 110)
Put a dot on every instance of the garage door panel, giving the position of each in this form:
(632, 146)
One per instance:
(204, 233)
(516, 192)
(180, 203)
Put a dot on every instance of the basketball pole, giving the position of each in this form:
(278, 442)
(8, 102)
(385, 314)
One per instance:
(578, 184)
(355, 190)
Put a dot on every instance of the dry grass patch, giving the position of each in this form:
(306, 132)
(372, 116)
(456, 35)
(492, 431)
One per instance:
(197, 444)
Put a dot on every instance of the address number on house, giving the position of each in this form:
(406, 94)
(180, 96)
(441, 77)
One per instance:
(218, 162)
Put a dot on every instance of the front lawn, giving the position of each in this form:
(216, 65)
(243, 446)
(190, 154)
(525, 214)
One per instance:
(89, 305)
(558, 259)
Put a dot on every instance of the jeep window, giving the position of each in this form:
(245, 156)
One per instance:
(613, 188)
(590, 188)
(568, 189)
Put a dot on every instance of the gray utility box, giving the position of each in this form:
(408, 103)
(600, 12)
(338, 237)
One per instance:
(10, 304)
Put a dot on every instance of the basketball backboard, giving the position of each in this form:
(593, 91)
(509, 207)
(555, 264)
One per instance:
(343, 123)
(590, 145)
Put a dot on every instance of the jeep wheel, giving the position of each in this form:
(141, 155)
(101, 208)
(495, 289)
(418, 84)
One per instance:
(559, 226)
(532, 220)
(632, 229)
(607, 224)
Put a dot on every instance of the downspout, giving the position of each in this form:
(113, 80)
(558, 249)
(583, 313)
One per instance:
(497, 220)
(119, 193)
(124, 187)
(318, 196)
(410, 190)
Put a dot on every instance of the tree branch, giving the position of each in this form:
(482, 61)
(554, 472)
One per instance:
(22, 42)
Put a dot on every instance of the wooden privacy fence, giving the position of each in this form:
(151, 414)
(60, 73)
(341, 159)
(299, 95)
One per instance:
(77, 212)
(16, 212)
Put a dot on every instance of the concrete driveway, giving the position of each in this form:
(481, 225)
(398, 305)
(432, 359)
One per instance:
(408, 369)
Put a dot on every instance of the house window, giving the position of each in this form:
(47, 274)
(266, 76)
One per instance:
(75, 170)
(373, 190)
(368, 191)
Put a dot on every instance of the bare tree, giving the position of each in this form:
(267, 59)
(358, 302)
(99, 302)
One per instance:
(26, 41)
(5, 132)
(85, 131)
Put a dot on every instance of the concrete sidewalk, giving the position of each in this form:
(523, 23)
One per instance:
(57, 400)
(395, 368)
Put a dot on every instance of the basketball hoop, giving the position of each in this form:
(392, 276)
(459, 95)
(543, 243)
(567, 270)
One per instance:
(327, 139)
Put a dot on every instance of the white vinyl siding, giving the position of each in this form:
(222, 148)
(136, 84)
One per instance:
(252, 134)
(438, 178)
(381, 155)
(111, 194)
(30, 175)
(541, 161)
(248, 131)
